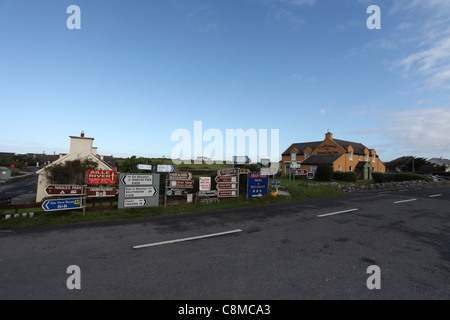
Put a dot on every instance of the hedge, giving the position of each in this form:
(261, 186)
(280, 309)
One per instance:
(345, 176)
(388, 177)
(324, 172)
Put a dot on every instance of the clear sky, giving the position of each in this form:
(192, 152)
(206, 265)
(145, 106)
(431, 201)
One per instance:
(138, 70)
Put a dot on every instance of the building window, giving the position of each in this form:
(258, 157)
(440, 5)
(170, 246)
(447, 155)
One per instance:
(307, 155)
(373, 158)
(340, 168)
(351, 168)
(381, 170)
(359, 158)
(313, 169)
(351, 156)
(367, 157)
(293, 157)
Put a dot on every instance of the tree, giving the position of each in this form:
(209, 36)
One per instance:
(70, 172)
(406, 164)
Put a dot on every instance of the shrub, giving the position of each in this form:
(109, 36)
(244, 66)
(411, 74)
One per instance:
(324, 172)
(389, 177)
(345, 176)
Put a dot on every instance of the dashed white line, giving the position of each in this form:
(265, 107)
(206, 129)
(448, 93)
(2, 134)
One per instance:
(403, 201)
(435, 195)
(186, 239)
(335, 213)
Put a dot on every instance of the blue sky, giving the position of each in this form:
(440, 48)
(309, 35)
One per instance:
(139, 70)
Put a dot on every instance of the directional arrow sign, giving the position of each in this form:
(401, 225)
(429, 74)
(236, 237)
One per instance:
(137, 179)
(228, 172)
(301, 172)
(133, 203)
(148, 167)
(227, 186)
(180, 176)
(220, 179)
(63, 190)
(164, 168)
(181, 183)
(227, 193)
(135, 192)
(62, 204)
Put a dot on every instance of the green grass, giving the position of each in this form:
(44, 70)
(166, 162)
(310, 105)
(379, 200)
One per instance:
(74, 216)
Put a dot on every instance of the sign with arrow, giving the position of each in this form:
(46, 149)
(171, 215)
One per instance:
(64, 190)
(181, 184)
(147, 167)
(101, 177)
(62, 204)
(220, 179)
(179, 175)
(228, 172)
(101, 192)
(257, 184)
(227, 186)
(138, 190)
(164, 168)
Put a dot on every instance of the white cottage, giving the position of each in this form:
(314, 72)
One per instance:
(80, 148)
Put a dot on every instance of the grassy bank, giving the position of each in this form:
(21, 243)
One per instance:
(64, 217)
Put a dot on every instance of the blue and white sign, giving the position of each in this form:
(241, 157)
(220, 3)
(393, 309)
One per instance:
(164, 168)
(257, 184)
(277, 184)
(147, 167)
(62, 204)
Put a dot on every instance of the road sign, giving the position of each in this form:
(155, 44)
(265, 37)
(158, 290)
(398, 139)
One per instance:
(62, 204)
(310, 175)
(257, 184)
(204, 183)
(148, 167)
(210, 193)
(63, 190)
(179, 175)
(164, 168)
(135, 203)
(101, 192)
(177, 192)
(101, 177)
(295, 165)
(227, 193)
(228, 172)
(220, 179)
(301, 172)
(244, 171)
(136, 179)
(227, 186)
(138, 192)
(277, 184)
(181, 184)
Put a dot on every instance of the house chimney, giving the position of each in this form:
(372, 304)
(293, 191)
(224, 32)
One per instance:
(82, 134)
(329, 135)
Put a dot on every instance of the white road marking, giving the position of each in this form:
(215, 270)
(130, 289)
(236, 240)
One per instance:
(435, 195)
(186, 239)
(335, 213)
(402, 201)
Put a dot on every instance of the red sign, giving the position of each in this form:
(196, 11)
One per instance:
(226, 179)
(64, 189)
(101, 177)
(101, 192)
(227, 193)
(181, 184)
(228, 172)
(301, 172)
(227, 186)
(180, 176)
(257, 175)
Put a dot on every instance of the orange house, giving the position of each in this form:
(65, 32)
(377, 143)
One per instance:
(342, 155)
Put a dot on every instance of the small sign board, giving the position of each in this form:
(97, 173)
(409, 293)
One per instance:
(147, 167)
(164, 168)
(64, 190)
(180, 175)
(62, 204)
(220, 179)
(101, 177)
(241, 160)
(101, 192)
(204, 184)
(227, 193)
(227, 186)
(277, 184)
(228, 172)
(257, 184)
(301, 172)
(181, 184)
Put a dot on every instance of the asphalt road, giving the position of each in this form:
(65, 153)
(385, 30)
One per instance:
(316, 249)
(22, 191)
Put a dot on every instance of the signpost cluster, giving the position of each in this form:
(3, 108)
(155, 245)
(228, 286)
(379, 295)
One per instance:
(178, 184)
(93, 177)
(227, 183)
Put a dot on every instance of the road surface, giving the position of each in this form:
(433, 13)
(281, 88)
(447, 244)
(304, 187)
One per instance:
(315, 249)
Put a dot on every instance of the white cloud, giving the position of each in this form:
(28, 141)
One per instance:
(421, 132)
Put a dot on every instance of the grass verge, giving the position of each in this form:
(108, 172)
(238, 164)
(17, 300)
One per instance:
(64, 217)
